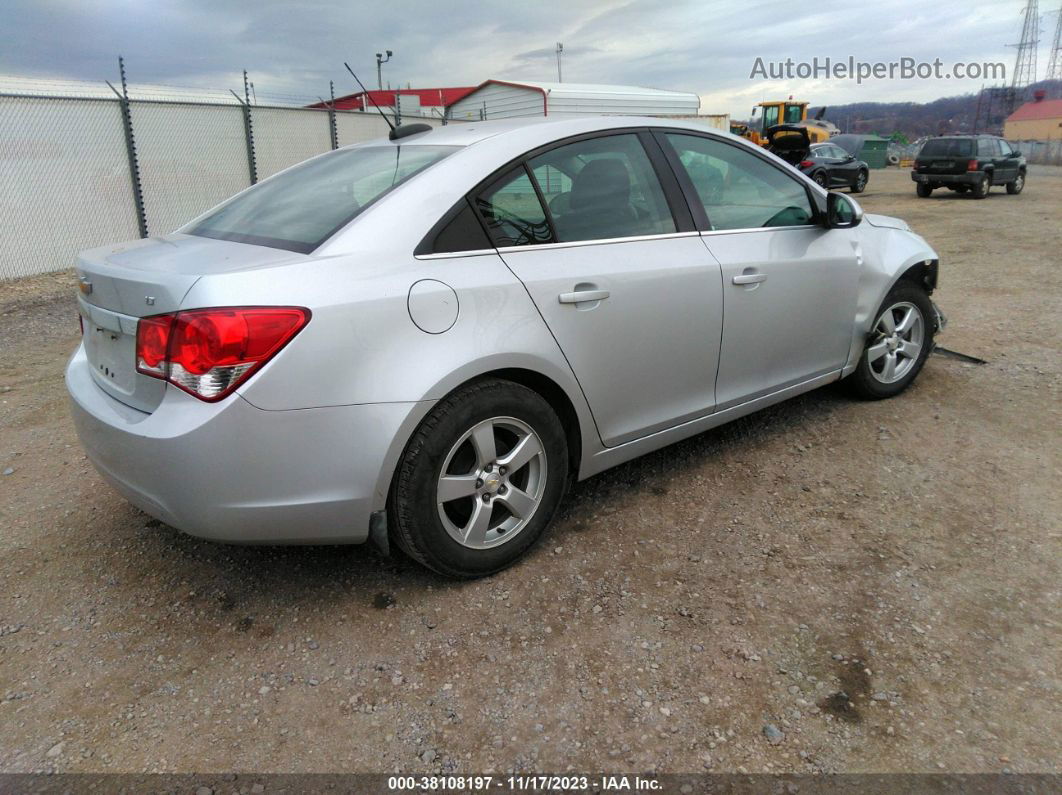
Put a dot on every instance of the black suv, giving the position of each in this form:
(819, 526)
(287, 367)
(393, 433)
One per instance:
(968, 163)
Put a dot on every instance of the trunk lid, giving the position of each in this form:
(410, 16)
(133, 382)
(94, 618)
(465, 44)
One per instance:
(790, 142)
(123, 282)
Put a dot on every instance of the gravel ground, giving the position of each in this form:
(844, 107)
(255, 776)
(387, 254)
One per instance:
(825, 586)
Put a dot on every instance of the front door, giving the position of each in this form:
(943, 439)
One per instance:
(789, 285)
(633, 302)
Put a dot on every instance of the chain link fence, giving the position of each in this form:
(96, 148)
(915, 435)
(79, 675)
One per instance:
(68, 166)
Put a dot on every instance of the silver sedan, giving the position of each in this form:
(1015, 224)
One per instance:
(423, 340)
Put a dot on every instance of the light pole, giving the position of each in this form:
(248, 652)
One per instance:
(380, 61)
(560, 50)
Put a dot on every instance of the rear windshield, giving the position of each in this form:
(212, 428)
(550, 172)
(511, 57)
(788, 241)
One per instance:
(947, 147)
(301, 208)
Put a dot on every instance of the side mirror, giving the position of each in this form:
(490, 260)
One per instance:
(842, 212)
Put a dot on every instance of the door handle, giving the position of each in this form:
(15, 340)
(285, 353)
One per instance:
(583, 296)
(750, 278)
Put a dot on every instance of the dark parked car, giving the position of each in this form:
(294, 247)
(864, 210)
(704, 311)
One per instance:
(829, 164)
(968, 164)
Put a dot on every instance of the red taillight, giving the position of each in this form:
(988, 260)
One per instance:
(807, 163)
(972, 164)
(209, 352)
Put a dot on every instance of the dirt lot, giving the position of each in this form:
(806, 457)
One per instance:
(879, 583)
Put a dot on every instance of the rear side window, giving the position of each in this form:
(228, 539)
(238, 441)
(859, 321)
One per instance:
(602, 188)
(738, 189)
(947, 147)
(463, 233)
(300, 208)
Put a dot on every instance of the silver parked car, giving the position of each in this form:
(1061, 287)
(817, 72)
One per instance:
(425, 339)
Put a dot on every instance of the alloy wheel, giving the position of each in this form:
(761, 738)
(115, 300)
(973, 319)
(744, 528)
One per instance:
(491, 483)
(899, 336)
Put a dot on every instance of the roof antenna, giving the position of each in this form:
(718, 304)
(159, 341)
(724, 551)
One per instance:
(369, 95)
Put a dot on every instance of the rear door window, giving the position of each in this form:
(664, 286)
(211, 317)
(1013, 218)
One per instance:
(602, 188)
(512, 211)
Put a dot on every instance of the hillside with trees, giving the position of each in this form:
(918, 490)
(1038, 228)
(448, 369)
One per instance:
(917, 119)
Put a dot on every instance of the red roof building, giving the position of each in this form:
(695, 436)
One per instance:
(1039, 120)
(429, 97)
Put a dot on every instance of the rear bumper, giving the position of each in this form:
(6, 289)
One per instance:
(965, 178)
(231, 472)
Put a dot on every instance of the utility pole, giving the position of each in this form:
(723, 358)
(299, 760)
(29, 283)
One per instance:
(1054, 64)
(1025, 61)
(560, 51)
(380, 61)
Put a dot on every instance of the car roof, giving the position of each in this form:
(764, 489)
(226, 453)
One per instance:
(546, 129)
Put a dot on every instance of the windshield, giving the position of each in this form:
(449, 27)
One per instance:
(301, 208)
(947, 147)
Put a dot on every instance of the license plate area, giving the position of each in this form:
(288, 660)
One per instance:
(110, 349)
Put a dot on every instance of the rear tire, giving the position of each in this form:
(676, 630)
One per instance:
(897, 346)
(820, 179)
(501, 451)
(1015, 187)
(981, 187)
(924, 190)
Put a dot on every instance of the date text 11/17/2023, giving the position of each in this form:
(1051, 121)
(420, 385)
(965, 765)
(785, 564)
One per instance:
(524, 783)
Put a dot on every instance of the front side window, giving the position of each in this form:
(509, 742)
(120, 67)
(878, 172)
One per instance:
(602, 188)
(1005, 149)
(300, 208)
(738, 189)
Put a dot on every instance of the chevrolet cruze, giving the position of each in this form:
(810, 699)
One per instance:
(423, 340)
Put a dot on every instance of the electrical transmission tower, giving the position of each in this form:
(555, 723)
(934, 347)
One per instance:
(1054, 64)
(1025, 62)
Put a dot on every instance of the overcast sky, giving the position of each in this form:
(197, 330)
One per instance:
(706, 47)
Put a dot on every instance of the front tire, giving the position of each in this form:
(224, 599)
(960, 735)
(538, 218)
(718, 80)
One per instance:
(1015, 187)
(898, 345)
(480, 480)
(861, 182)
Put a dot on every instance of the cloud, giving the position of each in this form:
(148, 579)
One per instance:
(294, 49)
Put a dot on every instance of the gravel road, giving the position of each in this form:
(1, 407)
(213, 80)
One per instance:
(825, 586)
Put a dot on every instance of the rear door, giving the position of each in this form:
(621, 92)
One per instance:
(844, 166)
(945, 156)
(789, 284)
(1006, 162)
(598, 233)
